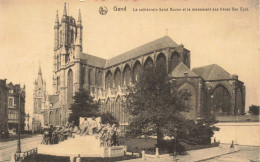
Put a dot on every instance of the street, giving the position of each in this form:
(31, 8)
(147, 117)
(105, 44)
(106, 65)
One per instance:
(7, 148)
(246, 153)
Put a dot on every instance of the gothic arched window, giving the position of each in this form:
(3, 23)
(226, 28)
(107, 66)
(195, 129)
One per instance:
(220, 100)
(161, 60)
(137, 71)
(99, 79)
(148, 63)
(175, 59)
(109, 80)
(188, 95)
(239, 110)
(117, 77)
(91, 75)
(127, 75)
(70, 88)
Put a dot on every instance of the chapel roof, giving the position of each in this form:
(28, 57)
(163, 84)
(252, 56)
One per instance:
(181, 69)
(212, 72)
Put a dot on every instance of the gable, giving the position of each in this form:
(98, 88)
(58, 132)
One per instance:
(212, 72)
(181, 69)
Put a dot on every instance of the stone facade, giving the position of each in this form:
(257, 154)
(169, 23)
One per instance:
(16, 101)
(107, 80)
(3, 106)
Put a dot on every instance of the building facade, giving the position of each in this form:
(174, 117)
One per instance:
(3, 106)
(16, 102)
(207, 89)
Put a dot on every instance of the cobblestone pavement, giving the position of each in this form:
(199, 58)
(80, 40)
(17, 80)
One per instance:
(7, 148)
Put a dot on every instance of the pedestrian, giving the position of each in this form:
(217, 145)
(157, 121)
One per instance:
(232, 144)
(46, 135)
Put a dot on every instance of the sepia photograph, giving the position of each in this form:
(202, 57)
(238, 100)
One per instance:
(129, 80)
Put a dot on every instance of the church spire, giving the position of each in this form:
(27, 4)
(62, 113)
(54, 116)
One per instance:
(64, 10)
(57, 18)
(79, 18)
(40, 70)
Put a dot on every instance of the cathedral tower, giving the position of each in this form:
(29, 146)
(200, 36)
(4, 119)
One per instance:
(66, 60)
(39, 93)
(39, 98)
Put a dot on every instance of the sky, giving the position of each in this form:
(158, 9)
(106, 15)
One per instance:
(227, 38)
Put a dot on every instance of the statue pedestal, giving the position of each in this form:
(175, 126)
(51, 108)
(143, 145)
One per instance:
(86, 146)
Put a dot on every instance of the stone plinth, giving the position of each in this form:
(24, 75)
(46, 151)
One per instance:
(86, 146)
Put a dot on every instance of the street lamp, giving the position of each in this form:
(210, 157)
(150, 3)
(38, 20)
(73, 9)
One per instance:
(19, 124)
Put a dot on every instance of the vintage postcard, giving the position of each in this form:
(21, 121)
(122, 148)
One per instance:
(129, 80)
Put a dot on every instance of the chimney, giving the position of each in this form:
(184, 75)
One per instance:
(234, 76)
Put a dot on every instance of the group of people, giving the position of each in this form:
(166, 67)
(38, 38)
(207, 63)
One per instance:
(105, 132)
(54, 135)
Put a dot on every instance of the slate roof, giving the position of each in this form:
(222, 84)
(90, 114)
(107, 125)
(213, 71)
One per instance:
(93, 60)
(157, 44)
(212, 72)
(160, 43)
(180, 69)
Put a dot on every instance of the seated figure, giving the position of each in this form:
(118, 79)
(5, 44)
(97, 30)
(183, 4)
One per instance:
(84, 127)
(75, 131)
(92, 126)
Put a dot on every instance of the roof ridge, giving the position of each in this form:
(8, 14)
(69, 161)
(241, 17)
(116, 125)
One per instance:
(141, 46)
(203, 66)
(223, 69)
(214, 65)
(156, 44)
(217, 66)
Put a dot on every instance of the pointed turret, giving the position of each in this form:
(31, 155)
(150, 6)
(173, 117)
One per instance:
(40, 71)
(64, 10)
(79, 18)
(64, 17)
(78, 42)
(56, 30)
(57, 18)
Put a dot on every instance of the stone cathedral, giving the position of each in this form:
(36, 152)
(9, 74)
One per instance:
(203, 89)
